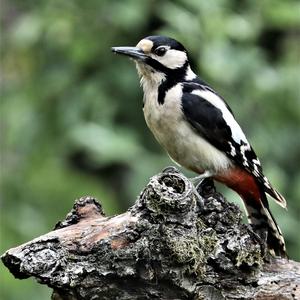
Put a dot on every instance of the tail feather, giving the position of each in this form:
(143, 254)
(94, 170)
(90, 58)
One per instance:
(278, 198)
(265, 225)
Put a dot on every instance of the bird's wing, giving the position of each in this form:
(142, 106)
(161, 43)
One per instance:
(211, 117)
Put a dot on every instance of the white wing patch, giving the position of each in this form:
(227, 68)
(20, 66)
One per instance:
(232, 149)
(236, 131)
(243, 149)
(256, 164)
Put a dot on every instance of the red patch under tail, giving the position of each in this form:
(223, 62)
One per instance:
(257, 207)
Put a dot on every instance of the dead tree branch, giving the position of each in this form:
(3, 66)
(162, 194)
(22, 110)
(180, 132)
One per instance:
(165, 247)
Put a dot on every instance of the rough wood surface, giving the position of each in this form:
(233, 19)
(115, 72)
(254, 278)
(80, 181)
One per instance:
(167, 246)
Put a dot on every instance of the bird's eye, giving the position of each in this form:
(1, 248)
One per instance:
(160, 51)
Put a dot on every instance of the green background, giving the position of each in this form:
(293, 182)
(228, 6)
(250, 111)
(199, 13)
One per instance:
(71, 111)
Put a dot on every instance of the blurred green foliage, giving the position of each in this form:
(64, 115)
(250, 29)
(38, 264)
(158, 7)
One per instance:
(71, 119)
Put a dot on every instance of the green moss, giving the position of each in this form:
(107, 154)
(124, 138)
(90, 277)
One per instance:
(208, 242)
(200, 224)
(187, 251)
(155, 203)
(249, 257)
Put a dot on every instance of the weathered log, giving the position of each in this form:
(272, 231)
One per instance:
(167, 246)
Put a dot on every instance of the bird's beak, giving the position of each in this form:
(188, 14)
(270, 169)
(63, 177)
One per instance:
(133, 52)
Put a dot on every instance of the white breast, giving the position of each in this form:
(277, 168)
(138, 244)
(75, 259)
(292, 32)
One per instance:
(177, 136)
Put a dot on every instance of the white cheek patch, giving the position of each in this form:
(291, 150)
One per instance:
(173, 59)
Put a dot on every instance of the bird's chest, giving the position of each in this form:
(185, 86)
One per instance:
(167, 123)
(163, 119)
(173, 132)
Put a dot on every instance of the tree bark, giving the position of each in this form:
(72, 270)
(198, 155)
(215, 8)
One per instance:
(167, 246)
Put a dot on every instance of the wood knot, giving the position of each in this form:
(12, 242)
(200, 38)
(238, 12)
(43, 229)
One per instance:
(168, 194)
(84, 208)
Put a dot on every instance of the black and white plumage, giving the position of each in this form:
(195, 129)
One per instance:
(198, 129)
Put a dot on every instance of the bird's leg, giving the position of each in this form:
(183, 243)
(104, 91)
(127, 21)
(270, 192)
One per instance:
(198, 179)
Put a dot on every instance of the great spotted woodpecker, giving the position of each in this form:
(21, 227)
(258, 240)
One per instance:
(198, 130)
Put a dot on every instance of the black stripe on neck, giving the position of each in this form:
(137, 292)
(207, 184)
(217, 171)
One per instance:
(173, 76)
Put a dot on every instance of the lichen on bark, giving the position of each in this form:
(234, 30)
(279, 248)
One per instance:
(167, 246)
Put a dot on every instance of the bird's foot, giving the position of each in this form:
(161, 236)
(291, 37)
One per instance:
(199, 199)
(203, 185)
(170, 169)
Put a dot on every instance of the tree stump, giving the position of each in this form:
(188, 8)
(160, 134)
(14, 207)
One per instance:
(167, 246)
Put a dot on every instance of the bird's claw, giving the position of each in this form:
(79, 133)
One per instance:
(199, 199)
(170, 169)
(203, 186)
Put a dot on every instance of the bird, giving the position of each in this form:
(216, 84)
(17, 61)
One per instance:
(198, 130)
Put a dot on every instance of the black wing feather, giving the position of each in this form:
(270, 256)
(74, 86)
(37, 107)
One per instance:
(208, 121)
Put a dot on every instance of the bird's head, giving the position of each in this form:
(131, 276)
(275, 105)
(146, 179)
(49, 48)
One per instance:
(158, 58)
